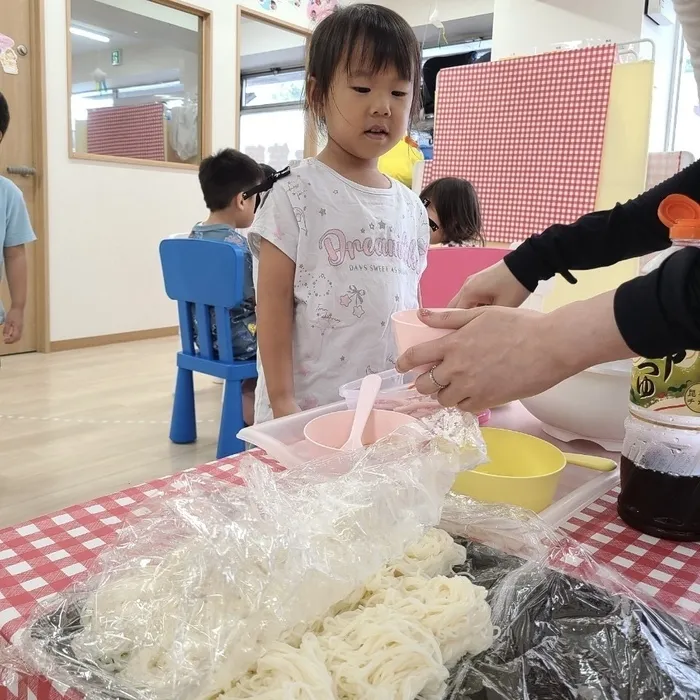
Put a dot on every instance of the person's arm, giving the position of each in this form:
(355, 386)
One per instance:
(601, 238)
(16, 270)
(16, 267)
(275, 318)
(659, 313)
(273, 239)
(19, 232)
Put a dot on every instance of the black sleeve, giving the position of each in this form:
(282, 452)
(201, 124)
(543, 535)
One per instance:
(659, 313)
(601, 238)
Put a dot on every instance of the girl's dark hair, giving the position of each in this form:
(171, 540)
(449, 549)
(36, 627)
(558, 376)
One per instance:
(373, 36)
(4, 115)
(457, 205)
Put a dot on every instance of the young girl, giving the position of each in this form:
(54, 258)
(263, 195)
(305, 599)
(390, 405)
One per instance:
(454, 212)
(339, 247)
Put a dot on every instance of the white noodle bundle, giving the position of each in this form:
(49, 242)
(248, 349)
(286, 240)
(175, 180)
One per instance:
(435, 554)
(152, 624)
(287, 673)
(381, 654)
(453, 609)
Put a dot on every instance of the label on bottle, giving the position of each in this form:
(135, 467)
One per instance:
(669, 386)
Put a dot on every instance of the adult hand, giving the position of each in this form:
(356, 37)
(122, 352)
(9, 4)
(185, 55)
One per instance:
(14, 325)
(497, 355)
(494, 286)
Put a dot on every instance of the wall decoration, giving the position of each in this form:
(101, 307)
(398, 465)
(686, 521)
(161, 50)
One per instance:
(320, 9)
(8, 61)
(6, 42)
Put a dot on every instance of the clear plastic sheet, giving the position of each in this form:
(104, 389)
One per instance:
(570, 628)
(192, 594)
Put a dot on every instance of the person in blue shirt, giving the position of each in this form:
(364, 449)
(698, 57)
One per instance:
(15, 232)
(225, 177)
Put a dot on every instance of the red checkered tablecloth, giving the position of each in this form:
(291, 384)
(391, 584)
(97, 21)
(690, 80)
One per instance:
(666, 572)
(137, 131)
(46, 555)
(528, 133)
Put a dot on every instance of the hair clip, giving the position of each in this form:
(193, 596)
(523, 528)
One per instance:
(267, 183)
(431, 223)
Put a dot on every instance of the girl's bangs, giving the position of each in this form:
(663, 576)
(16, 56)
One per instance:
(374, 51)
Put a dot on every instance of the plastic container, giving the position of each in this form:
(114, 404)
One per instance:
(396, 394)
(660, 465)
(395, 389)
(330, 432)
(283, 438)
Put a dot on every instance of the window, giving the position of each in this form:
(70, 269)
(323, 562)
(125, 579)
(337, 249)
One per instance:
(272, 126)
(272, 117)
(275, 89)
(686, 134)
(137, 81)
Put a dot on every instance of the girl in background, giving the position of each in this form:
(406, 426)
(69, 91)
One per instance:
(339, 247)
(454, 212)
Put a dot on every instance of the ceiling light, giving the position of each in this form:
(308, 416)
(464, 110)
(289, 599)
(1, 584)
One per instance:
(86, 34)
(149, 88)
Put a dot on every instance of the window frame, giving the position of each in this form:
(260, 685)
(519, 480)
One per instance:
(674, 98)
(310, 137)
(272, 106)
(205, 93)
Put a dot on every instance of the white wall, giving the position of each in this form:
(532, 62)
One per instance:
(417, 12)
(106, 220)
(258, 37)
(522, 27)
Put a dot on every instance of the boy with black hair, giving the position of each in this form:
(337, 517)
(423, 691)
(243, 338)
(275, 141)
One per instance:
(15, 232)
(225, 177)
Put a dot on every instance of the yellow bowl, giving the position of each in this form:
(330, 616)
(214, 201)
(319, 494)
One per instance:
(522, 470)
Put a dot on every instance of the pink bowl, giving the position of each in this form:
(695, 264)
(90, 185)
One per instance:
(332, 430)
(409, 330)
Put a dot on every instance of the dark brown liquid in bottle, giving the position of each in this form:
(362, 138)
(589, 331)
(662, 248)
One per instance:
(659, 504)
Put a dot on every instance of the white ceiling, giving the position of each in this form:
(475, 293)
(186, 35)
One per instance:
(130, 28)
(290, 53)
(263, 46)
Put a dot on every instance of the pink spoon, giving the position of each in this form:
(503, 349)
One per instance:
(369, 389)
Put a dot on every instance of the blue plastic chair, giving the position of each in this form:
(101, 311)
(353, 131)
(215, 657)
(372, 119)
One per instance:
(203, 275)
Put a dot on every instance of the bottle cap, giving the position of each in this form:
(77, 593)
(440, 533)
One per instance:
(681, 215)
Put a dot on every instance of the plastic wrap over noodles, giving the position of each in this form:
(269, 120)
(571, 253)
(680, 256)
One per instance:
(190, 596)
(569, 627)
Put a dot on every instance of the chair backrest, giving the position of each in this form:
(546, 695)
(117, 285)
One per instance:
(448, 268)
(204, 277)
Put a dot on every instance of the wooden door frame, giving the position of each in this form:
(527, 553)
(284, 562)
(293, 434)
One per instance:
(40, 158)
(310, 140)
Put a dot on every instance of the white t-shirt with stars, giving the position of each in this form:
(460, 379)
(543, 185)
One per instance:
(359, 254)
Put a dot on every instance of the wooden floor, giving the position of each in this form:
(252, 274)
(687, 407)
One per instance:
(78, 424)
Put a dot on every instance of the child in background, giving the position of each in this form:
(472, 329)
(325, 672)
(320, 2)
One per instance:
(15, 232)
(225, 177)
(454, 212)
(339, 246)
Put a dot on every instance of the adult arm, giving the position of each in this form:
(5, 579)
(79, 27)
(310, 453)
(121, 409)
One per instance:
(601, 238)
(626, 231)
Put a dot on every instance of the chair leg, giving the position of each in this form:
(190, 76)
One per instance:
(183, 424)
(231, 421)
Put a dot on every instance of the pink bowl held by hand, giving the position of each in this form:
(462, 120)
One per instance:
(409, 330)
